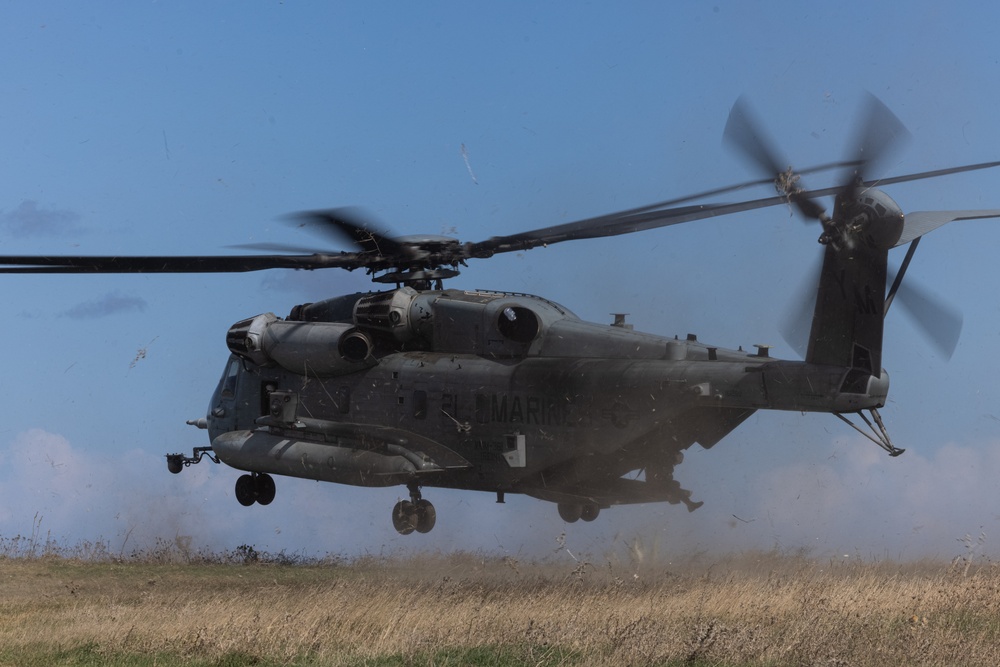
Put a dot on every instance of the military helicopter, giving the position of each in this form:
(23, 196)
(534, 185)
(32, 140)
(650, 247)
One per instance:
(429, 387)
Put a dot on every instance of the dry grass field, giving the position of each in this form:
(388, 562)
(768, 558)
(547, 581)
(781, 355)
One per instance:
(171, 607)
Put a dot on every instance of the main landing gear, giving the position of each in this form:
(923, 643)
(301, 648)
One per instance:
(573, 512)
(256, 487)
(415, 514)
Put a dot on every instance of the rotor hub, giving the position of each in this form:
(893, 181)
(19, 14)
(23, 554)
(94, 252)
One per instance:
(415, 277)
(869, 216)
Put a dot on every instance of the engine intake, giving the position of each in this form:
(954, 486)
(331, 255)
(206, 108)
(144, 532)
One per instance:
(306, 348)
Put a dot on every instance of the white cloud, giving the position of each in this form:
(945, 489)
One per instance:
(28, 220)
(109, 304)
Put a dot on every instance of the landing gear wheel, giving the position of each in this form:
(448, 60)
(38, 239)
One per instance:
(404, 517)
(589, 512)
(570, 512)
(426, 516)
(264, 486)
(246, 490)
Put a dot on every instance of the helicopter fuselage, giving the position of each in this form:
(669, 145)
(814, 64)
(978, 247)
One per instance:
(495, 392)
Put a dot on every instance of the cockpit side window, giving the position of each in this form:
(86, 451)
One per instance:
(229, 386)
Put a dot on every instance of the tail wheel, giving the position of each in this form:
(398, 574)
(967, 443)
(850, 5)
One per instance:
(404, 517)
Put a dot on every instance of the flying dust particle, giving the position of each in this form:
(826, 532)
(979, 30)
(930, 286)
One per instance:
(468, 165)
(141, 354)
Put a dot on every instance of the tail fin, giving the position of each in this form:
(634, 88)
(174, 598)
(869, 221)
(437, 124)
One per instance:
(850, 309)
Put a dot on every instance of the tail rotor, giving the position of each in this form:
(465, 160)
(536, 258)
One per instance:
(865, 224)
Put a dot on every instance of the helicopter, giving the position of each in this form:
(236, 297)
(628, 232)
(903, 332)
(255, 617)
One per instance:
(423, 386)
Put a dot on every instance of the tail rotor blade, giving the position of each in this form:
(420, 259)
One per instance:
(938, 321)
(746, 134)
(797, 323)
(880, 133)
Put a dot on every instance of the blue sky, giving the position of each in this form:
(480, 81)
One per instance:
(174, 128)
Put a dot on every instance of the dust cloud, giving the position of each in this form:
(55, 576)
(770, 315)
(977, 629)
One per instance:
(852, 503)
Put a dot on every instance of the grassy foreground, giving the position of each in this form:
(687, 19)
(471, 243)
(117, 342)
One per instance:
(754, 609)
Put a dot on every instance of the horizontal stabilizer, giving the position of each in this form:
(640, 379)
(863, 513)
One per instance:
(918, 223)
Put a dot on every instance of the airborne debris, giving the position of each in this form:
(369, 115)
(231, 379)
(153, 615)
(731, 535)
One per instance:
(465, 156)
(141, 354)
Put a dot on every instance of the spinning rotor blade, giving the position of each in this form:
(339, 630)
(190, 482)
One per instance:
(796, 324)
(745, 133)
(422, 258)
(624, 222)
(643, 219)
(881, 182)
(938, 321)
(175, 264)
(277, 247)
(350, 225)
(340, 224)
(635, 219)
(610, 225)
(880, 132)
(711, 193)
(725, 209)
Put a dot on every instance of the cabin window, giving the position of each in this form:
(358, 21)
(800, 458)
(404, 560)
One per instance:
(518, 324)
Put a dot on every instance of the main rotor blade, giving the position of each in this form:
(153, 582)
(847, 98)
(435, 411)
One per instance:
(176, 264)
(381, 252)
(610, 225)
(705, 194)
(881, 182)
(628, 222)
(655, 211)
(350, 225)
(285, 248)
